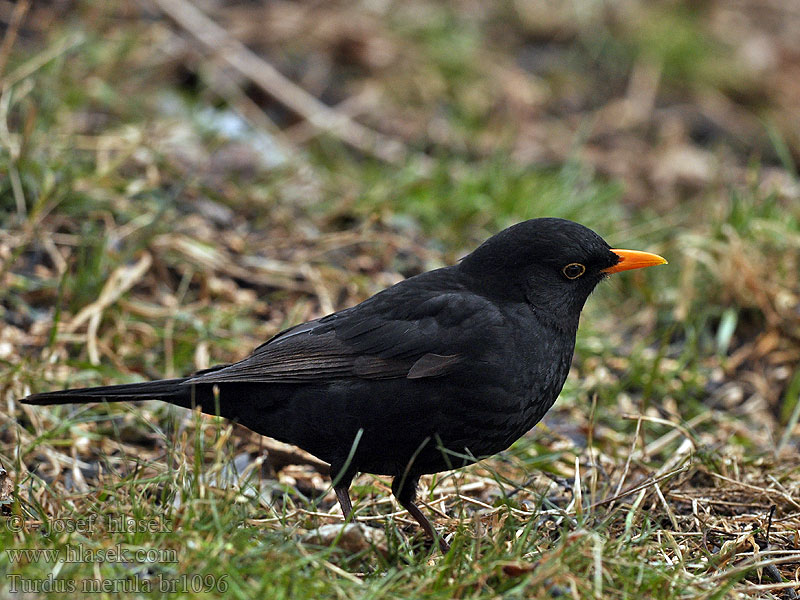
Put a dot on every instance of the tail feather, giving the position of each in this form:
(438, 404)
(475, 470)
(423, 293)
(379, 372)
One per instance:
(168, 390)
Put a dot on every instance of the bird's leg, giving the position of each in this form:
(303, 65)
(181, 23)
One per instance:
(426, 525)
(341, 477)
(343, 495)
(404, 489)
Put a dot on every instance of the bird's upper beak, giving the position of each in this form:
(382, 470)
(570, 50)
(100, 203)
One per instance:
(634, 259)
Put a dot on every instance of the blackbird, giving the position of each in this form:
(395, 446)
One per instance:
(435, 372)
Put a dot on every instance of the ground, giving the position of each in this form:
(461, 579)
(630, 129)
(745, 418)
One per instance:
(170, 198)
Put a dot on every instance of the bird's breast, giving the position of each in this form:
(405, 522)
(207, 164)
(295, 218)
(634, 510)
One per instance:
(542, 356)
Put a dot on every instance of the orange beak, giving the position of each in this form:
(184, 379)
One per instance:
(634, 259)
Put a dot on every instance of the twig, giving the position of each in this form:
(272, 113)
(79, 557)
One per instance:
(647, 483)
(789, 585)
(351, 107)
(121, 280)
(682, 429)
(658, 445)
(745, 566)
(323, 295)
(20, 9)
(629, 458)
(38, 61)
(267, 77)
(784, 492)
(577, 491)
(754, 488)
(666, 506)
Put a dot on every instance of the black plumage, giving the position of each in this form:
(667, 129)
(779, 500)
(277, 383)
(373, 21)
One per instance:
(435, 372)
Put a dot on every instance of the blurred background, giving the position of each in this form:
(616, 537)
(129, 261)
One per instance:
(180, 180)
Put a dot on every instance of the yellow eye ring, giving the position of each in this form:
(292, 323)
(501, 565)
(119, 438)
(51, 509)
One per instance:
(573, 270)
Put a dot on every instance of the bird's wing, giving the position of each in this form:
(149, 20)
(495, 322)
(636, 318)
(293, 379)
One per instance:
(413, 333)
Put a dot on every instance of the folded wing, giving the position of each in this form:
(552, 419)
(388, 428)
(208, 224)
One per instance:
(408, 331)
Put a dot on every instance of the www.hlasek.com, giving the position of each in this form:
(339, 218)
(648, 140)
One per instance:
(196, 584)
(78, 553)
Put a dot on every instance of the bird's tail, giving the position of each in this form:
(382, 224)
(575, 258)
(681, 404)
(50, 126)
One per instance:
(173, 391)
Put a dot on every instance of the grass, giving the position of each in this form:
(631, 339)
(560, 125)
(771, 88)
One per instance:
(682, 397)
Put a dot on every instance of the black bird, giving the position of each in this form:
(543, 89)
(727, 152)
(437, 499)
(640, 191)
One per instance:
(433, 373)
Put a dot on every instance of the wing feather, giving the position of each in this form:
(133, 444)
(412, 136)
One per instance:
(411, 330)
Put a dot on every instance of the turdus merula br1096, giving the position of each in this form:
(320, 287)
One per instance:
(435, 372)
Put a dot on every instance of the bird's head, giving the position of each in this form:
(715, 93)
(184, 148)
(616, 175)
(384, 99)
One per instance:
(552, 264)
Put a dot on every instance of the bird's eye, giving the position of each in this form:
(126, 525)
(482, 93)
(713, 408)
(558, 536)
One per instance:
(573, 270)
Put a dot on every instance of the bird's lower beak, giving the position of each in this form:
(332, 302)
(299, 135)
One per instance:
(634, 259)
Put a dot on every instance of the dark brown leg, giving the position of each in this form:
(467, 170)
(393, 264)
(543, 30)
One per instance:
(341, 485)
(404, 489)
(343, 495)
